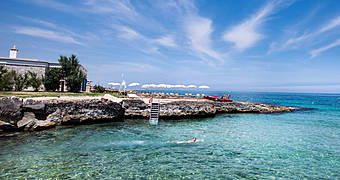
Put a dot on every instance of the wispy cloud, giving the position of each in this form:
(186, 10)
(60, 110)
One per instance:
(47, 34)
(318, 51)
(247, 33)
(38, 21)
(54, 5)
(305, 39)
(120, 8)
(198, 31)
(127, 33)
(142, 43)
(167, 40)
(333, 23)
(124, 67)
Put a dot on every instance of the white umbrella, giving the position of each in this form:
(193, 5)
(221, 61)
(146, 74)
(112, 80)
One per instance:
(145, 85)
(161, 86)
(134, 84)
(192, 86)
(114, 84)
(204, 87)
(170, 86)
(148, 86)
(180, 86)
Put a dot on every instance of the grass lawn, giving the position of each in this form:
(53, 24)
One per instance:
(26, 94)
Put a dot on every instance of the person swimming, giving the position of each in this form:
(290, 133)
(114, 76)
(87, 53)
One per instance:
(185, 142)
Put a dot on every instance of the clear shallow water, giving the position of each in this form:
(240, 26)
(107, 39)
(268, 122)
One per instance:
(303, 144)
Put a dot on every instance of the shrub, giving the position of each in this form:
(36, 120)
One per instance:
(98, 89)
(34, 80)
(6, 79)
(52, 79)
(20, 81)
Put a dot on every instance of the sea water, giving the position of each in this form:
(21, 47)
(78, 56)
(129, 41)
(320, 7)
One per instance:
(297, 145)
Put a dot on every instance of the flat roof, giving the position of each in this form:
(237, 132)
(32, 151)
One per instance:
(22, 59)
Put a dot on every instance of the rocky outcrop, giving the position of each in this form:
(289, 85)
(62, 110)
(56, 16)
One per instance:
(185, 109)
(84, 112)
(30, 115)
(10, 109)
(135, 108)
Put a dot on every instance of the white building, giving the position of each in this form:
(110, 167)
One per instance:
(22, 65)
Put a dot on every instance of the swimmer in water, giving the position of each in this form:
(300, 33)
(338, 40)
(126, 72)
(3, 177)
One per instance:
(185, 142)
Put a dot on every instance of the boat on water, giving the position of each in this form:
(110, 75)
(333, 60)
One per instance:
(221, 99)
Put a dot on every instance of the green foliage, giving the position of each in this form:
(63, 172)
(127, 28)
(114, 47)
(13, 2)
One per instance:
(71, 72)
(6, 79)
(3, 72)
(34, 80)
(99, 89)
(52, 79)
(21, 81)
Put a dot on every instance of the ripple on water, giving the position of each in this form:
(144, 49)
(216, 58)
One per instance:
(303, 144)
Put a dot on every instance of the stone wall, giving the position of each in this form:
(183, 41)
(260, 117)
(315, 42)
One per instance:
(22, 69)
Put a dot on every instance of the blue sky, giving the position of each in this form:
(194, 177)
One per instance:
(244, 45)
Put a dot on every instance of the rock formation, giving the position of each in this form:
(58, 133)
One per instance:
(31, 115)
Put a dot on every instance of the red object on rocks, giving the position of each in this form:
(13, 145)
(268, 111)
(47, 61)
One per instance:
(222, 99)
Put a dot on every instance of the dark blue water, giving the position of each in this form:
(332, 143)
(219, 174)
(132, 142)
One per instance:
(298, 145)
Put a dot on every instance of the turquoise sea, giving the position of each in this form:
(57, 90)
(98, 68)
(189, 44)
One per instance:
(298, 145)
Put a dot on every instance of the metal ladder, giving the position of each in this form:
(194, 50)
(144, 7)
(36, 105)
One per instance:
(154, 113)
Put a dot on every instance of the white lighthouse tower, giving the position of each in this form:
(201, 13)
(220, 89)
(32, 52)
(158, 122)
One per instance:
(13, 52)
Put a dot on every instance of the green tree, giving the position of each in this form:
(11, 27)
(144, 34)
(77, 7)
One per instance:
(20, 81)
(52, 79)
(34, 80)
(3, 72)
(71, 72)
(6, 79)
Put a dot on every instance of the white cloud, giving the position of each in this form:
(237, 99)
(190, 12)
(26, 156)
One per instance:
(127, 33)
(304, 39)
(167, 41)
(330, 25)
(38, 21)
(124, 67)
(54, 4)
(246, 34)
(198, 31)
(47, 34)
(121, 8)
(318, 51)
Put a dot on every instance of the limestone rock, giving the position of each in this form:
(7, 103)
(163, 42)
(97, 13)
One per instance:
(27, 122)
(4, 126)
(112, 98)
(30, 123)
(89, 111)
(10, 109)
(41, 125)
(135, 108)
(56, 117)
(37, 107)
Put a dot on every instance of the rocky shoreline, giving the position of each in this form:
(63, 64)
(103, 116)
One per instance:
(17, 114)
